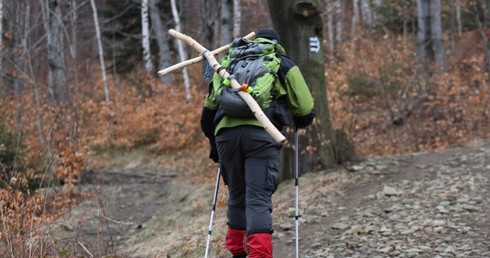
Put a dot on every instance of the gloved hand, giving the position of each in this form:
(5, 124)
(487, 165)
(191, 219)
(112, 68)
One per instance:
(303, 121)
(213, 153)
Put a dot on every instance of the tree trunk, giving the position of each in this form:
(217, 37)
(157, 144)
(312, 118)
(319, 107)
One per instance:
(10, 60)
(340, 24)
(182, 54)
(355, 22)
(482, 28)
(24, 29)
(330, 30)
(237, 18)
(300, 27)
(430, 33)
(161, 36)
(145, 36)
(1, 36)
(458, 17)
(56, 55)
(367, 14)
(425, 50)
(101, 50)
(73, 45)
(209, 19)
(436, 34)
(226, 22)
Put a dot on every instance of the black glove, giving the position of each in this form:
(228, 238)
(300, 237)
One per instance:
(213, 153)
(207, 122)
(303, 121)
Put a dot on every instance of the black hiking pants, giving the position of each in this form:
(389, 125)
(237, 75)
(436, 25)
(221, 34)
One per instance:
(249, 162)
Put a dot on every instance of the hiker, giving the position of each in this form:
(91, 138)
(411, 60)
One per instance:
(248, 155)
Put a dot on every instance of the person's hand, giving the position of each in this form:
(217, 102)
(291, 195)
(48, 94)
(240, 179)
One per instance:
(303, 121)
(213, 153)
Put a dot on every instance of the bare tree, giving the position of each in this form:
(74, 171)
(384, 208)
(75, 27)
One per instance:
(330, 29)
(161, 36)
(436, 33)
(430, 33)
(73, 45)
(145, 36)
(182, 53)
(482, 27)
(458, 16)
(226, 22)
(355, 22)
(237, 18)
(101, 50)
(209, 21)
(56, 54)
(339, 17)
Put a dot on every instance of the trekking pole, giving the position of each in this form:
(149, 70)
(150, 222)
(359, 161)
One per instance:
(213, 209)
(296, 186)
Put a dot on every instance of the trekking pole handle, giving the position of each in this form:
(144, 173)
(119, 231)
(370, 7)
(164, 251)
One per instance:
(257, 111)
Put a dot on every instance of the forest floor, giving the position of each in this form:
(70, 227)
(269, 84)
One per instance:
(433, 204)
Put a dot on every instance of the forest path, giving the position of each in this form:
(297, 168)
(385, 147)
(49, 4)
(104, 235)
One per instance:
(419, 205)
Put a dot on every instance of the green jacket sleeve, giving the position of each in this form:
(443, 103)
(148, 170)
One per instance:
(299, 99)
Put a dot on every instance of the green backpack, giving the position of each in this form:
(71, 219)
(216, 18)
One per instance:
(254, 63)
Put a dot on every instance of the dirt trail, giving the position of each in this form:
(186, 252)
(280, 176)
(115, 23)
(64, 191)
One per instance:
(419, 205)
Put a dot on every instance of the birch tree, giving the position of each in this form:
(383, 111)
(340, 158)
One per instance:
(301, 35)
(161, 36)
(182, 53)
(101, 50)
(145, 36)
